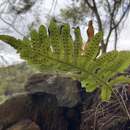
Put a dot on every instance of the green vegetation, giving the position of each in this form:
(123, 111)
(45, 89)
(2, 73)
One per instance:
(13, 78)
(56, 51)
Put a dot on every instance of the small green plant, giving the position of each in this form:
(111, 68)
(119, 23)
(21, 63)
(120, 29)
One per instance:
(55, 50)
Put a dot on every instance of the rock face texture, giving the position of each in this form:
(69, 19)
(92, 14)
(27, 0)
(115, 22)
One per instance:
(55, 102)
(51, 103)
(13, 110)
(66, 90)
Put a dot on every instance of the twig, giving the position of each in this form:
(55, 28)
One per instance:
(12, 27)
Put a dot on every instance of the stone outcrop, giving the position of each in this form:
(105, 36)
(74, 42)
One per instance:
(51, 103)
(66, 90)
(55, 102)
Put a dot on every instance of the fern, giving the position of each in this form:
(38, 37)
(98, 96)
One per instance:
(17, 44)
(92, 49)
(55, 50)
(67, 43)
(77, 45)
(54, 34)
(44, 47)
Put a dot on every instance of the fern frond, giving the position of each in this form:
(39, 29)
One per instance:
(89, 84)
(42, 34)
(67, 43)
(34, 38)
(25, 50)
(106, 93)
(118, 64)
(107, 66)
(16, 43)
(35, 47)
(77, 45)
(57, 51)
(120, 80)
(106, 59)
(45, 45)
(54, 35)
(92, 49)
(123, 60)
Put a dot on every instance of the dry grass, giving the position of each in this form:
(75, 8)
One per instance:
(104, 115)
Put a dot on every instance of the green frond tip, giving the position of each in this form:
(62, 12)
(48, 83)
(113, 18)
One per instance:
(77, 45)
(25, 51)
(89, 85)
(16, 43)
(42, 34)
(120, 80)
(67, 43)
(113, 62)
(99, 65)
(124, 60)
(106, 93)
(93, 48)
(54, 35)
(34, 37)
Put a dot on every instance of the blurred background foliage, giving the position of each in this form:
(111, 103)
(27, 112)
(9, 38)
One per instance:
(13, 78)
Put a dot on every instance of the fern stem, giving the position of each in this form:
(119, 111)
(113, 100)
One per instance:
(81, 69)
(84, 70)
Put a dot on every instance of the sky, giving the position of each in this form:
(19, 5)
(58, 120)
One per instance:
(10, 54)
(124, 39)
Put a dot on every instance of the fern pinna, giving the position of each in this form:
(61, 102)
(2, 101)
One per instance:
(55, 50)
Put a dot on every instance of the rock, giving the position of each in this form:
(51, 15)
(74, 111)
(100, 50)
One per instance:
(51, 103)
(35, 107)
(13, 110)
(66, 90)
(40, 108)
(25, 125)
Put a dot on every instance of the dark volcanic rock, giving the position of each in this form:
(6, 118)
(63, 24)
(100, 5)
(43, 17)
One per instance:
(66, 90)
